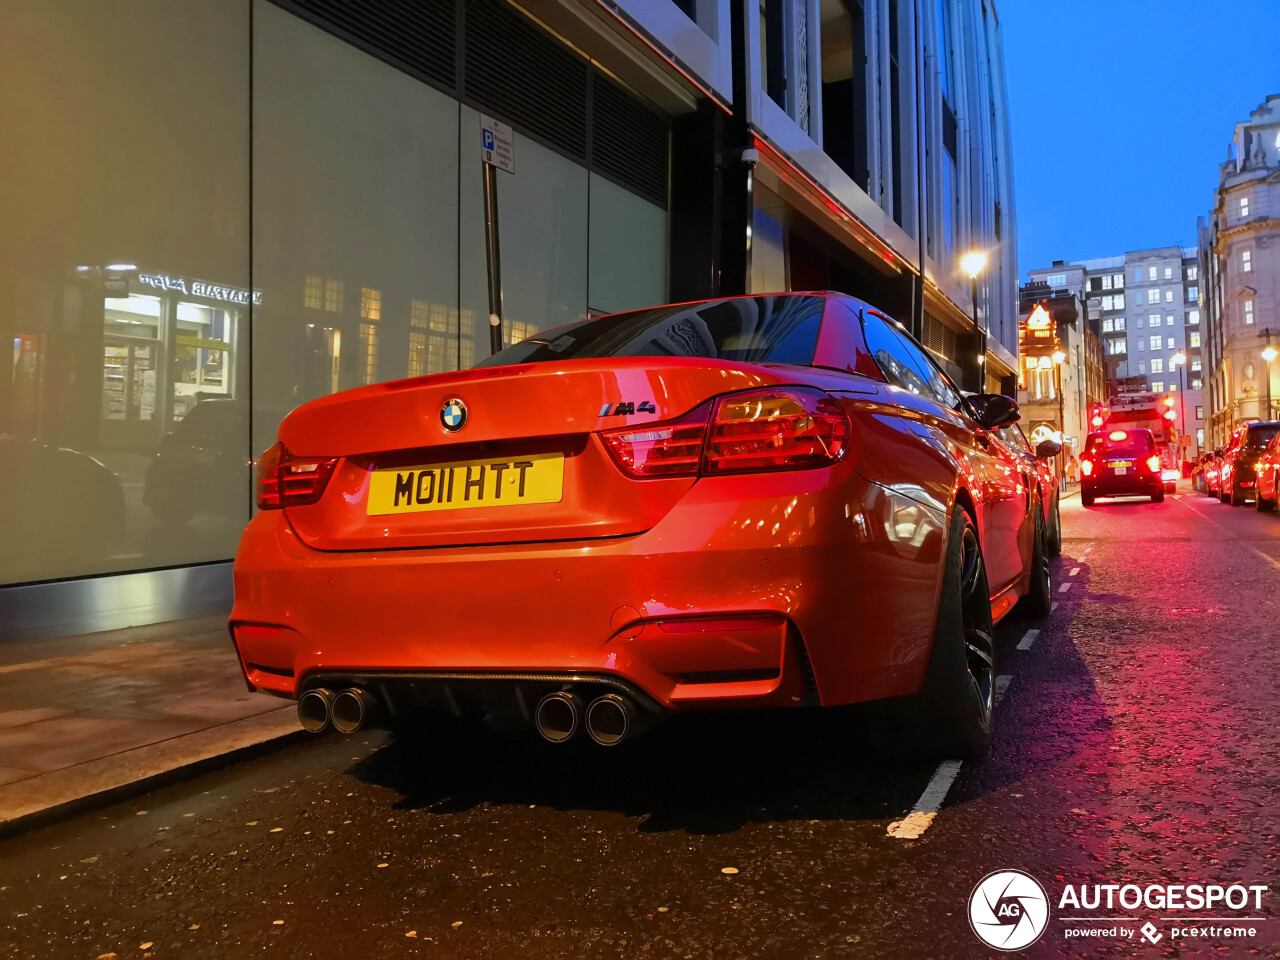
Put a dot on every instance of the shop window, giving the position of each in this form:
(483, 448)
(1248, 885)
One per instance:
(773, 61)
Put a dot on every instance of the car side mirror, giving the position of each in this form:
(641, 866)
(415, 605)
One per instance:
(994, 410)
(1048, 449)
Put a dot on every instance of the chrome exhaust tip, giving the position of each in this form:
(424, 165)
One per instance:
(558, 716)
(313, 709)
(610, 719)
(351, 710)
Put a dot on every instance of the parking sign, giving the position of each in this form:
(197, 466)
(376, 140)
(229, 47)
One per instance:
(497, 147)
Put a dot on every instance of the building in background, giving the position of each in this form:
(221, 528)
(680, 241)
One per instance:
(299, 209)
(1240, 257)
(1061, 375)
(1147, 307)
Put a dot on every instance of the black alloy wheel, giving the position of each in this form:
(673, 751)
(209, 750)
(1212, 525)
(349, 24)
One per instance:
(953, 714)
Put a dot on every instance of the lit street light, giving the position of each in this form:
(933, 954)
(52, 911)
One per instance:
(973, 263)
(1058, 357)
(1179, 360)
(1269, 353)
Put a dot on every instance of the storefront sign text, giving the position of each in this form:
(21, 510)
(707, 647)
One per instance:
(198, 288)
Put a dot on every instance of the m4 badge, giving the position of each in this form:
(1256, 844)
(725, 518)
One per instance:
(626, 408)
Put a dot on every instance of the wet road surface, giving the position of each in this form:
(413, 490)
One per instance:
(1137, 742)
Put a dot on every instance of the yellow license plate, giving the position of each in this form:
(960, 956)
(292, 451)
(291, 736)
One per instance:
(538, 478)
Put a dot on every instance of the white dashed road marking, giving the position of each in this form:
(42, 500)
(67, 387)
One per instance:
(1074, 571)
(1065, 587)
(1028, 639)
(1053, 606)
(1002, 684)
(926, 809)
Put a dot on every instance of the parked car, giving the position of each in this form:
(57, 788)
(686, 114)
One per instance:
(754, 502)
(201, 465)
(1267, 470)
(1119, 463)
(1040, 464)
(56, 505)
(1213, 472)
(1237, 480)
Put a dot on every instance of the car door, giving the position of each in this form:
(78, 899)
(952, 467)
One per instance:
(938, 413)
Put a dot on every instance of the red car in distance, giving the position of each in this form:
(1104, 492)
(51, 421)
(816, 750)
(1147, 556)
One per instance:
(762, 501)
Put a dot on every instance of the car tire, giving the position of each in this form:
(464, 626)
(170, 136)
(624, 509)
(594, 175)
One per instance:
(1038, 601)
(1236, 497)
(955, 708)
(1262, 503)
(1055, 531)
(1223, 496)
(1086, 498)
(1158, 496)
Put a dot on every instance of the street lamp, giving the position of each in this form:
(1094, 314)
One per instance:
(973, 263)
(1179, 360)
(1269, 353)
(1058, 357)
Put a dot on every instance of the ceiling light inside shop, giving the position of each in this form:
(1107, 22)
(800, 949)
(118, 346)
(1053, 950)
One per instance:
(122, 267)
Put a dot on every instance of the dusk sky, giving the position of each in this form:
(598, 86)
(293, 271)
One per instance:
(1121, 112)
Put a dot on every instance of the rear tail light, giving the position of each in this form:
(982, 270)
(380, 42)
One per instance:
(1153, 464)
(782, 428)
(288, 481)
(776, 429)
(660, 449)
(1086, 467)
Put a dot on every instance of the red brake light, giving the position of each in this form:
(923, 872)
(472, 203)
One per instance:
(672, 449)
(779, 428)
(1117, 435)
(782, 428)
(288, 481)
(1086, 467)
(1153, 463)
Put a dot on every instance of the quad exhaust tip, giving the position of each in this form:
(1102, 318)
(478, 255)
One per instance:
(558, 716)
(351, 710)
(313, 709)
(610, 719)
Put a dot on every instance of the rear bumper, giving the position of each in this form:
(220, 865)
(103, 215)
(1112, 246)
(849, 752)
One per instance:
(760, 594)
(1112, 486)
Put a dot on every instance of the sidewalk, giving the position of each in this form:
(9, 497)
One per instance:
(80, 716)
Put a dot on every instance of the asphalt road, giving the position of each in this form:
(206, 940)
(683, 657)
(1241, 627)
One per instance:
(1138, 743)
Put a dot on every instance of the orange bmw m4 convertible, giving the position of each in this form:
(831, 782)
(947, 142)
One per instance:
(754, 502)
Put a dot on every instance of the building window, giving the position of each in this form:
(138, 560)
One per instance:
(1193, 272)
(1137, 275)
(1107, 302)
(1157, 343)
(1157, 386)
(1199, 412)
(1193, 293)
(1119, 323)
(1142, 344)
(1168, 295)
(1244, 206)
(1195, 365)
(333, 296)
(1137, 298)
(312, 292)
(1168, 320)
(1153, 320)
(1248, 312)
(1119, 301)
(1168, 273)
(1157, 365)
(370, 314)
(1118, 281)
(1142, 367)
(1151, 273)
(1106, 282)
(1108, 326)
(1246, 261)
(844, 99)
(1056, 280)
(1194, 339)
(1193, 317)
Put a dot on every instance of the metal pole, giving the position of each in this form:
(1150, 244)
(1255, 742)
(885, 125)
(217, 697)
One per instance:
(493, 256)
(981, 338)
(1062, 432)
(1182, 405)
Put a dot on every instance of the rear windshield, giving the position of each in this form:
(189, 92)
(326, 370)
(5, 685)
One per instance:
(780, 329)
(1121, 441)
(1259, 436)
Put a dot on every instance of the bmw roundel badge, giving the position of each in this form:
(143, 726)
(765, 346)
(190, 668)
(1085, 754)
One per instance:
(453, 415)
